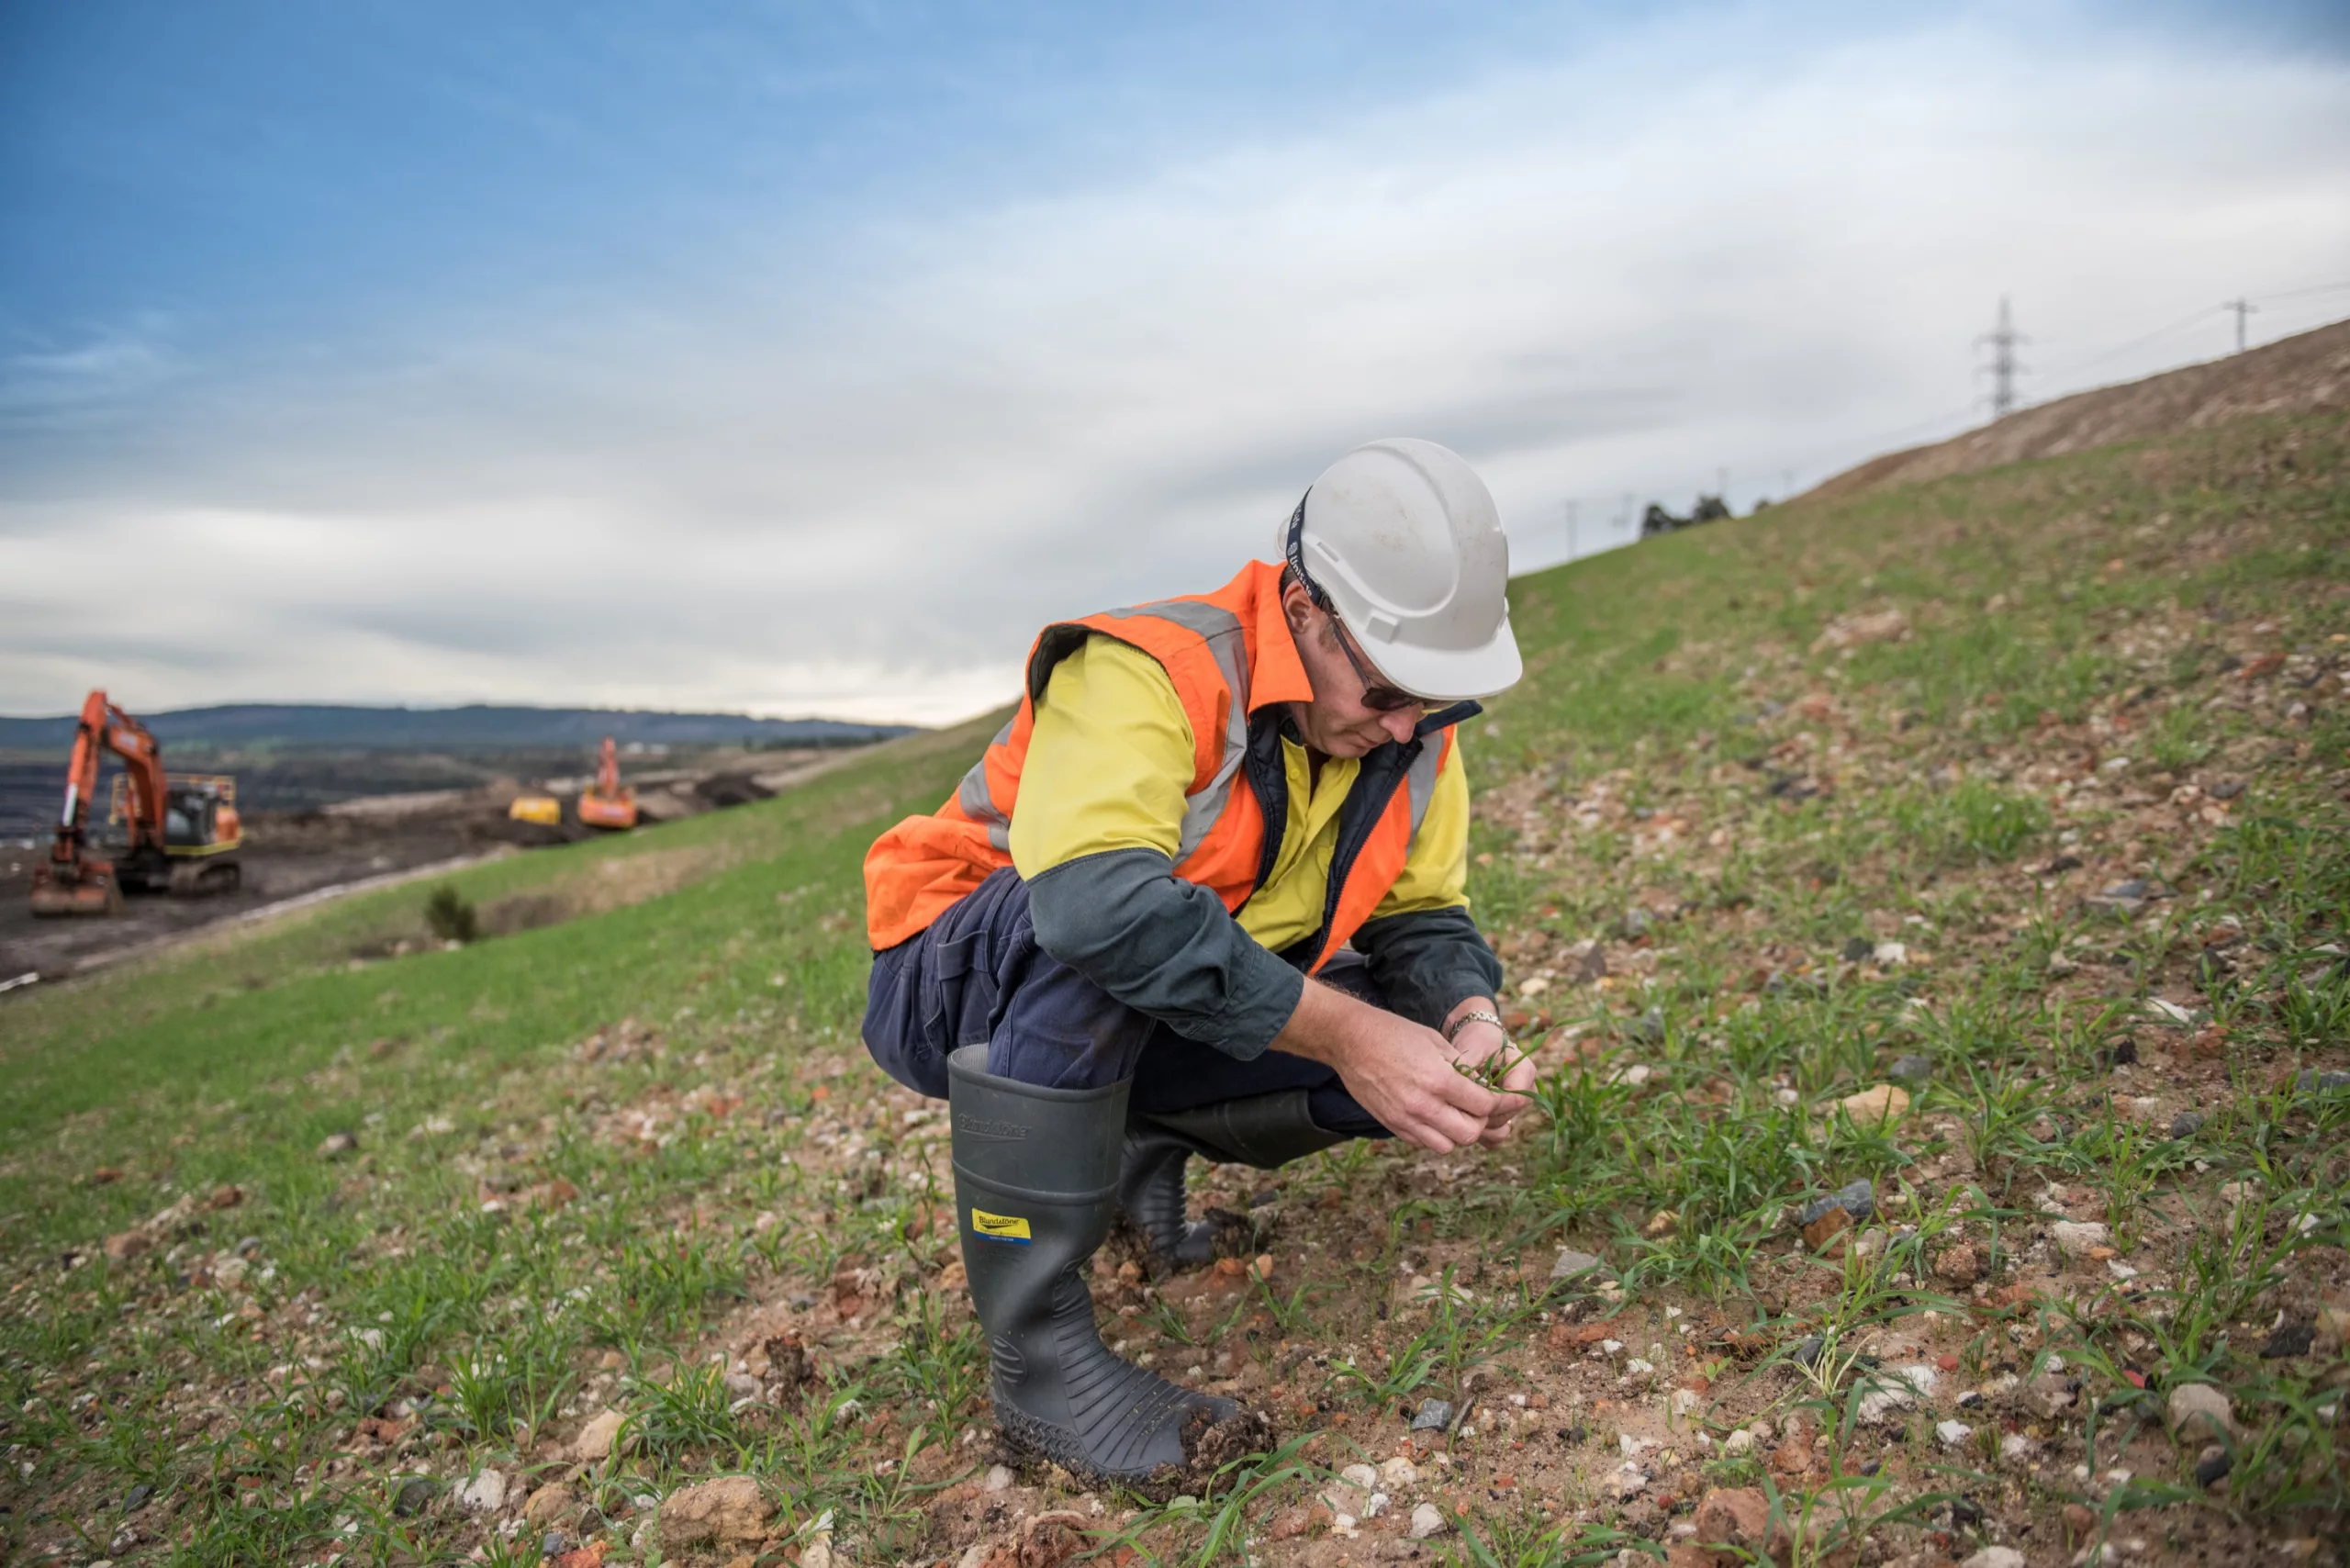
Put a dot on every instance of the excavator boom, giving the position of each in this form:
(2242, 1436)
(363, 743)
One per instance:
(75, 881)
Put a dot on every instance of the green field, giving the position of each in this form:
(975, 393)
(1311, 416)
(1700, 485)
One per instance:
(2029, 785)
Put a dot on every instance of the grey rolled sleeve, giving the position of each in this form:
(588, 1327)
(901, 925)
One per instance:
(1428, 962)
(1166, 948)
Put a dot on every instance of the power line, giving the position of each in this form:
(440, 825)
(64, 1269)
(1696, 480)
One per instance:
(2098, 359)
(2252, 304)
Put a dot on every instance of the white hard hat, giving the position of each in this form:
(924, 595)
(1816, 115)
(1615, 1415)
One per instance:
(1401, 541)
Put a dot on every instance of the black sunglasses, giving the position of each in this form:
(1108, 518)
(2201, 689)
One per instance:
(1377, 695)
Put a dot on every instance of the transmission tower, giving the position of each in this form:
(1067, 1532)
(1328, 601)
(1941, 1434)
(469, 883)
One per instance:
(2003, 367)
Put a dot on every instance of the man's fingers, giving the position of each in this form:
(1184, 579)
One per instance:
(1458, 1125)
(1470, 1096)
(1422, 1132)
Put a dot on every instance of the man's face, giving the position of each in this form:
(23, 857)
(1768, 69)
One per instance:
(1336, 723)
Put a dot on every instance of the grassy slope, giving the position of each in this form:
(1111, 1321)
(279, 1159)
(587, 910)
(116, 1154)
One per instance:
(1670, 688)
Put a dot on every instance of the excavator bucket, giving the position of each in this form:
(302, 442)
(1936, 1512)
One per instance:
(52, 899)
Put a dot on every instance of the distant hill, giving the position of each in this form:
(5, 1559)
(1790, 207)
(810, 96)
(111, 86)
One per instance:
(468, 728)
(2293, 375)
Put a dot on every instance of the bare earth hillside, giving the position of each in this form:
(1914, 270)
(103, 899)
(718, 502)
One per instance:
(2298, 375)
(1930, 914)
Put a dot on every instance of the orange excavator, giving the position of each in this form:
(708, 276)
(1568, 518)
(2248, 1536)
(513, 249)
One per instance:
(608, 803)
(183, 828)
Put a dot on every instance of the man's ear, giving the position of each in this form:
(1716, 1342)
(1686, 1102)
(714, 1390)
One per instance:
(1297, 608)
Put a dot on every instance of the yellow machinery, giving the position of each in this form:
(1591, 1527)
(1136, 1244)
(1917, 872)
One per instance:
(543, 810)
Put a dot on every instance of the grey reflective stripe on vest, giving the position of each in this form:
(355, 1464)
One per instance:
(1221, 629)
(978, 803)
(1419, 779)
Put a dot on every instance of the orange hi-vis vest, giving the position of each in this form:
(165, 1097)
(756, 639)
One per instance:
(1233, 662)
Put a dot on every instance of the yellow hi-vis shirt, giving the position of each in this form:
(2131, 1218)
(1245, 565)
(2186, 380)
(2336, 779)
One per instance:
(1111, 753)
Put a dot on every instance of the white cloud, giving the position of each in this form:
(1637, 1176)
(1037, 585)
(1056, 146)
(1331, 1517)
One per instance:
(861, 494)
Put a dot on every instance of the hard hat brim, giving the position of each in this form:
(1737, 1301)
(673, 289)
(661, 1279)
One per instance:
(1446, 674)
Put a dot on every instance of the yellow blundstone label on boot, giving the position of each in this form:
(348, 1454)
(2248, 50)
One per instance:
(1001, 1227)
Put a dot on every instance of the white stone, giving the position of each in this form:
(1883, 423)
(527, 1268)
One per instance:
(2074, 1238)
(1995, 1557)
(1887, 1399)
(1952, 1433)
(1571, 1263)
(484, 1494)
(1361, 1475)
(1880, 1405)
(1399, 1473)
(2199, 1410)
(1922, 1378)
(999, 1479)
(2016, 1448)
(1427, 1521)
(1737, 1442)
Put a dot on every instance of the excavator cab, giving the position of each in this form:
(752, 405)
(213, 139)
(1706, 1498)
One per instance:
(200, 824)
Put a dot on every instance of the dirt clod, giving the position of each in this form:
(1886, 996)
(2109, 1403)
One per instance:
(1738, 1519)
(720, 1512)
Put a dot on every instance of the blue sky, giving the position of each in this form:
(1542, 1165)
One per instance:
(804, 359)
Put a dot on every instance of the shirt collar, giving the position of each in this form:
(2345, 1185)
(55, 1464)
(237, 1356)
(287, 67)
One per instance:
(1276, 674)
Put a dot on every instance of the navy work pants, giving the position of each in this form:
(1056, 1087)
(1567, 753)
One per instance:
(978, 977)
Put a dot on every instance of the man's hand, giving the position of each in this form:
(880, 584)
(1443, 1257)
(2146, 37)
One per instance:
(1476, 1043)
(1400, 1072)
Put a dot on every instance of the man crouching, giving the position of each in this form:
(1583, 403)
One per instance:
(1204, 894)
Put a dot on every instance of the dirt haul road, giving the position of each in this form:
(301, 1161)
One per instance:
(302, 855)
